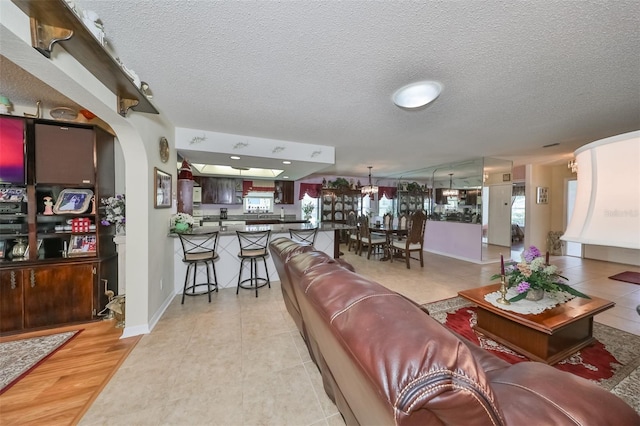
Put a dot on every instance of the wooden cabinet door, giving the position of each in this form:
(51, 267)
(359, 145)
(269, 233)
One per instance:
(58, 294)
(226, 191)
(64, 155)
(11, 299)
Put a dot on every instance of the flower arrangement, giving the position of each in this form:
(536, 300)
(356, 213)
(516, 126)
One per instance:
(114, 208)
(181, 221)
(534, 272)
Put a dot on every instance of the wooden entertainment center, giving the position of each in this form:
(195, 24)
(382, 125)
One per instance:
(63, 274)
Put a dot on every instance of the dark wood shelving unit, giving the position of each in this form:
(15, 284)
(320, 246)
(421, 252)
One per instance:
(52, 21)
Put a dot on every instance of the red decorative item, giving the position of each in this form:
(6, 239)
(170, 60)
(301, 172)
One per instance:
(185, 171)
(80, 225)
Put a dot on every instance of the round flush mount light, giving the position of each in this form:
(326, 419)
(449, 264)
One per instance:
(234, 157)
(416, 95)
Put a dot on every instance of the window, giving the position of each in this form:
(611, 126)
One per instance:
(309, 208)
(517, 210)
(385, 206)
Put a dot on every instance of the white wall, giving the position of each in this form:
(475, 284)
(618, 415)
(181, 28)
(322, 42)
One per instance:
(538, 216)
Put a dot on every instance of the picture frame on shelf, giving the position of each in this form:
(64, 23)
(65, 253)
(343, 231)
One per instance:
(73, 201)
(2, 248)
(163, 183)
(82, 245)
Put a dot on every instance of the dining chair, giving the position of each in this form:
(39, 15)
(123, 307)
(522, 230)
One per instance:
(387, 220)
(352, 233)
(199, 249)
(368, 238)
(414, 240)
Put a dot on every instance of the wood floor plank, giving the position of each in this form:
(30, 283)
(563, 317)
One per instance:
(63, 387)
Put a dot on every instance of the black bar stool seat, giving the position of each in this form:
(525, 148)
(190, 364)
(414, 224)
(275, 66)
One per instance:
(253, 247)
(199, 249)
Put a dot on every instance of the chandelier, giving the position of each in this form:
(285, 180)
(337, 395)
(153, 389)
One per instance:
(369, 189)
(573, 166)
(450, 192)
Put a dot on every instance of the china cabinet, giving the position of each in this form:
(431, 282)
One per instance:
(337, 203)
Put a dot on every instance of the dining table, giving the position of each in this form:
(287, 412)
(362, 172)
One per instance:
(389, 232)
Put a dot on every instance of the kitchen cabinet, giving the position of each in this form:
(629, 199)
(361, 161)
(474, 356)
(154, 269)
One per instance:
(337, 204)
(220, 190)
(283, 193)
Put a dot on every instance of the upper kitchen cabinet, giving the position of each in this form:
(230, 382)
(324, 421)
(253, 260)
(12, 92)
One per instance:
(64, 154)
(219, 190)
(283, 193)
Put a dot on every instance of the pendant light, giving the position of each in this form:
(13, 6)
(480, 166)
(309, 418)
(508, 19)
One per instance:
(369, 189)
(450, 192)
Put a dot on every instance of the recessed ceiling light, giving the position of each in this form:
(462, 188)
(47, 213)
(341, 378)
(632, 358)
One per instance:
(286, 162)
(416, 95)
(234, 157)
(285, 177)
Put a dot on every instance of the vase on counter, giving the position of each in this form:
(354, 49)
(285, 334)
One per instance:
(181, 227)
(535, 294)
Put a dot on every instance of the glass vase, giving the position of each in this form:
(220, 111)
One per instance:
(535, 294)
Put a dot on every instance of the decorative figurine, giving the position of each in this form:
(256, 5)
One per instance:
(48, 206)
(93, 205)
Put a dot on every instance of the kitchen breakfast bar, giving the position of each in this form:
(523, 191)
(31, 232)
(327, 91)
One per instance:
(228, 265)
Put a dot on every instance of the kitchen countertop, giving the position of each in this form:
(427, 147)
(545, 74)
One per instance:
(282, 228)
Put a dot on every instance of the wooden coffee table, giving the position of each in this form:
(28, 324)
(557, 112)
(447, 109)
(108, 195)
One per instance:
(548, 337)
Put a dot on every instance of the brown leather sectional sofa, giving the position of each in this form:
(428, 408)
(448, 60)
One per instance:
(384, 361)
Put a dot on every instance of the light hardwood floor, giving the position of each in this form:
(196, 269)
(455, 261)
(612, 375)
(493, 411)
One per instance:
(61, 389)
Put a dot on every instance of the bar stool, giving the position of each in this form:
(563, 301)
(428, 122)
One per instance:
(305, 237)
(253, 246)
(199, 249)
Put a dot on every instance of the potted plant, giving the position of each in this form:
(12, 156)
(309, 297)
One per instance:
(307, 209)
(181, 222)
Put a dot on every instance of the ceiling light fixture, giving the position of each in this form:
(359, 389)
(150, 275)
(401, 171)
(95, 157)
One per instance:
(286, 162)
(234, 157)
(369, 189)
(416, 95)
(573, 166)
(453, 193)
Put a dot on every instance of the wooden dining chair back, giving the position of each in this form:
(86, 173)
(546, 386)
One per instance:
(402, 221)
(414, 240)
(353, 239)
(369, 239)
(387, 220)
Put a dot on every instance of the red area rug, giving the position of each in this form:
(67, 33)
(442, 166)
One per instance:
(613, 362)
(20, 357)
(627, 277)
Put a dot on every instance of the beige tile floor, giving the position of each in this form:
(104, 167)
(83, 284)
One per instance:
(240, 360)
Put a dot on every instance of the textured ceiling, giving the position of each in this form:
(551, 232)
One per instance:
(516, 75)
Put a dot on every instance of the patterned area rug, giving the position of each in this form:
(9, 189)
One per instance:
(19, 357)
(613, 362)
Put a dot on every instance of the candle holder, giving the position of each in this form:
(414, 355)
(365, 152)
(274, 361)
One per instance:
(503, 291)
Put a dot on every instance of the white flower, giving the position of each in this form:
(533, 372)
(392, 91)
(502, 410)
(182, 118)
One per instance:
(182, 218)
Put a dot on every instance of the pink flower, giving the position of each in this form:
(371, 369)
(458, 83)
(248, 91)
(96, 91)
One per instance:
(523, 286)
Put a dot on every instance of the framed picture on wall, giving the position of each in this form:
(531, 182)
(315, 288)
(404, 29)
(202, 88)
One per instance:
(162, 183)
(542, 195)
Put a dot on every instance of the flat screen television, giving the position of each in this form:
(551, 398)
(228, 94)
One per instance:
(12, 151)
